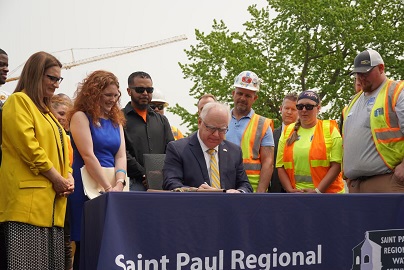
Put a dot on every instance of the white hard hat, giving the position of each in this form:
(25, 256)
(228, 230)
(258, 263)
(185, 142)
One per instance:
(248, 80)
(158, 96)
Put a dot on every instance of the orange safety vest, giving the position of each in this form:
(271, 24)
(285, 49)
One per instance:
(250, 146)
(319, 162)
(176, 133)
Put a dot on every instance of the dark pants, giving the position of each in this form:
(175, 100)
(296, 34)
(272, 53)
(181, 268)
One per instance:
(136, 185)
(76, 262)
(68, 246)
(3, 253)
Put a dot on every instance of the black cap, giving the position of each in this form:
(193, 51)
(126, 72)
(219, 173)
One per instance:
(309, 95)
(366, 60)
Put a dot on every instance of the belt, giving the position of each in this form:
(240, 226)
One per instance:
(363, 178)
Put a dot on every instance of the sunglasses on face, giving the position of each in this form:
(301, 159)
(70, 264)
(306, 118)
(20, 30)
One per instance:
(308, 107)
(140, 90)
(158, 106)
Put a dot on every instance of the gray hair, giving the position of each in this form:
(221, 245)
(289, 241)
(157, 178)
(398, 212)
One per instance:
(215, 105)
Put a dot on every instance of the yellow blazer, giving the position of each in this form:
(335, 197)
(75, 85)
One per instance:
(31, 145)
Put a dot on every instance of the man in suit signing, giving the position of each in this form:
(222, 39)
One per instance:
(188, 161)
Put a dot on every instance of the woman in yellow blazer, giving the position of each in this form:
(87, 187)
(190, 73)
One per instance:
(35, 175)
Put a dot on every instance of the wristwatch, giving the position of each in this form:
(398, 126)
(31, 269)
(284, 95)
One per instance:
(123, 181)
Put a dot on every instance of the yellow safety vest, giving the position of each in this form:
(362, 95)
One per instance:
(318, 155)
(176, 133)
(386, 133)
(250, 145)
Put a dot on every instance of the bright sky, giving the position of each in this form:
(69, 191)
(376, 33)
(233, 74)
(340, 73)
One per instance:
(56, 26)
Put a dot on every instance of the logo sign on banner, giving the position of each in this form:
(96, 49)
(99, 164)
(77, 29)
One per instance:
(380, 250)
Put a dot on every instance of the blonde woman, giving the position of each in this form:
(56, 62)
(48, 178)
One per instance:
(310, 151)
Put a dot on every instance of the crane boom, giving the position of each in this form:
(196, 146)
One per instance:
(124, 51)
(117, 53)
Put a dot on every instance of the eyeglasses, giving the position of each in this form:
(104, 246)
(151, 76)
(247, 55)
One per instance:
(213, 129)
(158, 106)
(308, 107)
(54, 79)
(140, 90)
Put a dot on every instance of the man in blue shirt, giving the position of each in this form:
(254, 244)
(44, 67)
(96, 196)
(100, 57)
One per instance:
(252, 132)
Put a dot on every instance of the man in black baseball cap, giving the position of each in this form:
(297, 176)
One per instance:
(366, 60)
(374, 130)
(369, 70)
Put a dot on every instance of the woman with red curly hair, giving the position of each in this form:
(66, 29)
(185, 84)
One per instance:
(98, 141)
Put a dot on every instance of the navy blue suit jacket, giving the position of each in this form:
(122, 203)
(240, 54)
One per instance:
(185, 165)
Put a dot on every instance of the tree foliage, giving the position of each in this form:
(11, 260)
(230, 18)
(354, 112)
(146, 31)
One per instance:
(295, 45)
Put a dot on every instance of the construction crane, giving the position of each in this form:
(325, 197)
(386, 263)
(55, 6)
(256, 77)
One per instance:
(117, 53)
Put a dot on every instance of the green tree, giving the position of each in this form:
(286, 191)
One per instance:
(296, 45)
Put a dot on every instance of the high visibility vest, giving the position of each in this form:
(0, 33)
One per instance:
(250, 145)
(344, 112)
(176, 133)
(318, 155)
(386, 133)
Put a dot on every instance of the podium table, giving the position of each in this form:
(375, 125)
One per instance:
(169, 230)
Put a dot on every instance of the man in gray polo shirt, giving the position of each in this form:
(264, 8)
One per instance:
(374, 130)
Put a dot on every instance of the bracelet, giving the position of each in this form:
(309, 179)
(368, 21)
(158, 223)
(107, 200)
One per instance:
(108, 188)
(120, 170)
(317, 190)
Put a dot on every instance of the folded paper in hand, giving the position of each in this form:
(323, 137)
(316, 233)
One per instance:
(92, 188)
